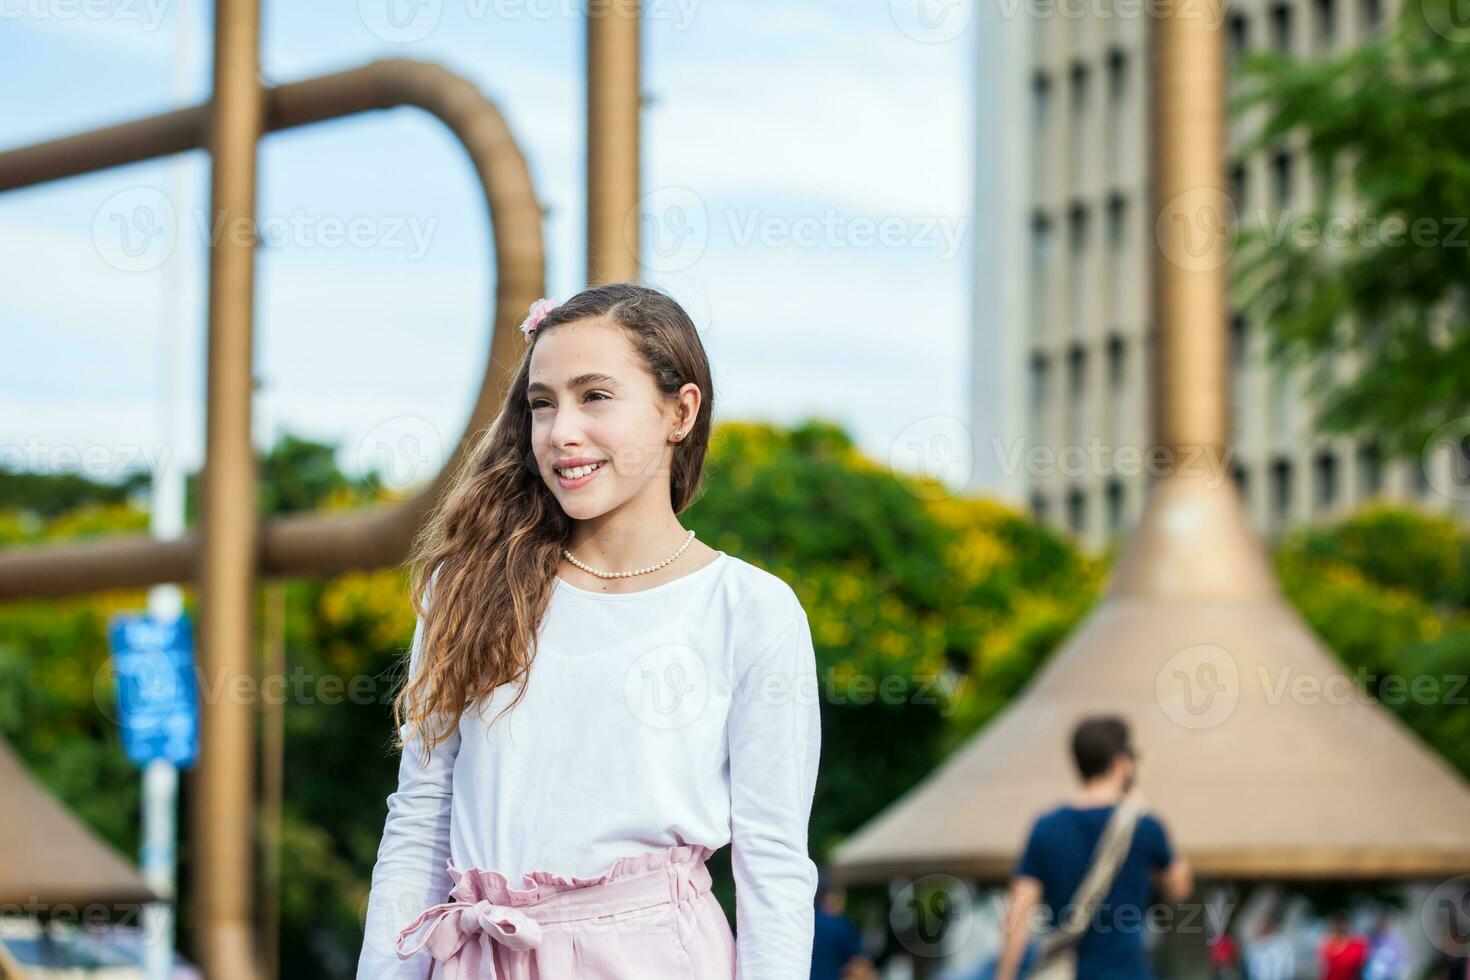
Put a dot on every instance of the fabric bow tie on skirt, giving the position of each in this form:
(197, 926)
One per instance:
(463, 935)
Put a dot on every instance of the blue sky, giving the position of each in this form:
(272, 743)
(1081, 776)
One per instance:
(824, 147)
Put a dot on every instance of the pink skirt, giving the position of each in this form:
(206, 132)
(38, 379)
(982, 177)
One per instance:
(648, 917)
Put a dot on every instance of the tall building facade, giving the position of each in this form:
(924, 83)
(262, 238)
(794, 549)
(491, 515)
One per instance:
(1063, 320)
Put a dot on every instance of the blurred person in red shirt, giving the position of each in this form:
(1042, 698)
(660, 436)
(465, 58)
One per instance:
(1343, 952)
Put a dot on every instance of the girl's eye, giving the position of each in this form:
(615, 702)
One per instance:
(542, 402)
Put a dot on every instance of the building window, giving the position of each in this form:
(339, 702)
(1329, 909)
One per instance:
(1117, 365)
(1281, 491)
(1041, 250)
(1278, 405)
(1079, 80)
(1115, 501)
(1281, 28)
(1039, 505)
(1241, 476)
(1040, 99)
(1117, 219)
(1077, 222)
(1282, 169)
(1371, 15)
(1040, 395)
(1370, 470)
(1077, 511)
(1326, 17)
(1040, 115)
(1324, 472)
(1076, 371)
(1115, 134)
(1239, 338)
(1117, 76)
(1076, 391)
(1240, 36)
(1078, 230)
(1238, 178)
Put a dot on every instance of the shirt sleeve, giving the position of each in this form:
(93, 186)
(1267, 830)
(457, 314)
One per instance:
(412, 871)
(1033, 856)
(1160, 853)
(774, 732)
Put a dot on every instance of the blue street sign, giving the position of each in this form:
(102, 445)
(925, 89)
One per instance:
(157, 701)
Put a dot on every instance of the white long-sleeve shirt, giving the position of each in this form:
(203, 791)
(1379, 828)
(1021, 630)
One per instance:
(685, 713)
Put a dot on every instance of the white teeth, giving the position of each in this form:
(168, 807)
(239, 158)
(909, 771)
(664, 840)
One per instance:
(577, 472)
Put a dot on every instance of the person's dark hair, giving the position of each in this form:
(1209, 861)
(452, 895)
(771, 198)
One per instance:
(1096, 742)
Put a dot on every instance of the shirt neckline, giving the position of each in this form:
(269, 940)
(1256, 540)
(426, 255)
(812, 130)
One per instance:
(719, 559)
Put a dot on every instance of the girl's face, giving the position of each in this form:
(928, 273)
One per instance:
(593, 404)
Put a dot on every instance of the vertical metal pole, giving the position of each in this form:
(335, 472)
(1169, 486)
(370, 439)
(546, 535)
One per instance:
(160, 799)
(272, 777)
(223, 807)
(613, 101)
(1187, 141)
(166, 519)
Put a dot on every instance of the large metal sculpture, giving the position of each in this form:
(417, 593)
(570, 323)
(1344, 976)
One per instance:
(232, 548)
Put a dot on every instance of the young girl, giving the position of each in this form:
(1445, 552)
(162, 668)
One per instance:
(596, 701)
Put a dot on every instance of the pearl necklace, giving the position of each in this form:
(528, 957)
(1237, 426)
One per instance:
(639, 571)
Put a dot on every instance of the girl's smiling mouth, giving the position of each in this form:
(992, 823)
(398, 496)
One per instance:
(572, 477)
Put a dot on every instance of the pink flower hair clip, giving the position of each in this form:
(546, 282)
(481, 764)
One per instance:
(539, 309)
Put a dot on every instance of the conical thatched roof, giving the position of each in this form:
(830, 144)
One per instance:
(1260, 752)
(48, 859)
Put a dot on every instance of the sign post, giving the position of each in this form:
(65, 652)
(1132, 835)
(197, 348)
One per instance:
(158, 713)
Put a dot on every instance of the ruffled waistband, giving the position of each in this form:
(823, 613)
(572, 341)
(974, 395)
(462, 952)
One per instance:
(682, 861)
(485, 911)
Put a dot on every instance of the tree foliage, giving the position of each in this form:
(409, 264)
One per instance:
(1377, 266)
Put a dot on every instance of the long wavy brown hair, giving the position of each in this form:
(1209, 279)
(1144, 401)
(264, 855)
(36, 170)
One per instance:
(484, 565)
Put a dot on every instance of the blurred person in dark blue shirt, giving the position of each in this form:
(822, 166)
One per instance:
(837, 946)
(1060, 849)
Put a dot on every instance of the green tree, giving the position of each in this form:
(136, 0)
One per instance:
(1386, 279)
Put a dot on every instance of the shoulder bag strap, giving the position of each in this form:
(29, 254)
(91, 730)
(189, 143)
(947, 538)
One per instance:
(1112, 847)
